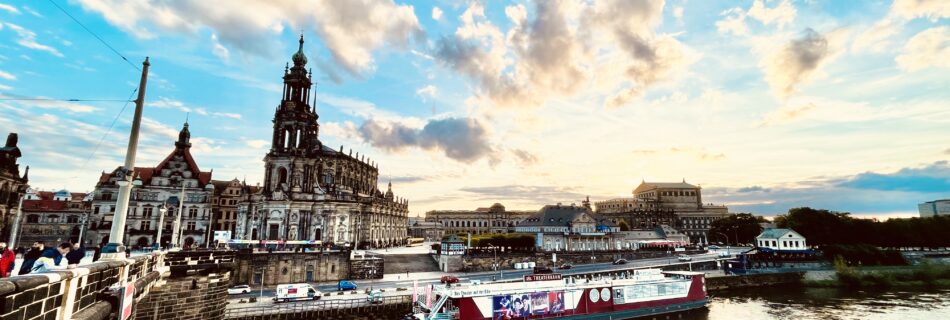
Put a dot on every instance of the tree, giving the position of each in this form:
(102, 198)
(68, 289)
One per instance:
(738, 228)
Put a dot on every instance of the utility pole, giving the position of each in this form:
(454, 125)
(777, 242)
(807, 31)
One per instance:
(84, 220)
(16, 224)
(115, 250)
(176, 226)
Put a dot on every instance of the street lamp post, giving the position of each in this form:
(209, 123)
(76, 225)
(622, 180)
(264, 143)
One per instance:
(727, 241)
(16, 223)
(161, 225)
(115, 250)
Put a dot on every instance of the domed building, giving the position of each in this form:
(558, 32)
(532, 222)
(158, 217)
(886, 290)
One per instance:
(53, 217)
(312, 192)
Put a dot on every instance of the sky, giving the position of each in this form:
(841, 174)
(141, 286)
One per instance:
(767, 105)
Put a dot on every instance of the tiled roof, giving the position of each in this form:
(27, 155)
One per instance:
(773, 233)
(561, 215)
(644, 186)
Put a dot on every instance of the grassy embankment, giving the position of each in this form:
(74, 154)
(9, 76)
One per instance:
(924, 275)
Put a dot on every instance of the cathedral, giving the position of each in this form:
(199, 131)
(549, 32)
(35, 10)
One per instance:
(312, 191)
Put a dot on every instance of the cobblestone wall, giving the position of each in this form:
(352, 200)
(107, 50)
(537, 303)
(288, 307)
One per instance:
(196, 297)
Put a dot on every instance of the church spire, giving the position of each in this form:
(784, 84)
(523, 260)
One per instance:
(184, 137)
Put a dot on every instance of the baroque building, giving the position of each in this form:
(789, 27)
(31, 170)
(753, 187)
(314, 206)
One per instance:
(676, 204)
(224, 203)
(174, 183)
(53, 217)
(12, 185)
(314, 192)
(493, 219)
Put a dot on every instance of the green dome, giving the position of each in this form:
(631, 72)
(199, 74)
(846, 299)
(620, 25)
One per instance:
(299, 58)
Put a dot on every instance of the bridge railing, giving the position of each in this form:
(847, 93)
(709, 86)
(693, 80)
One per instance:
(309, 306)
(75, 293)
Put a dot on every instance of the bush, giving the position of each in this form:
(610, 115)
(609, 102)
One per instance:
(863, 254)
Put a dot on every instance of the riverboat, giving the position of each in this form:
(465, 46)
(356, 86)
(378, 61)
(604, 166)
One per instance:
(647, 292)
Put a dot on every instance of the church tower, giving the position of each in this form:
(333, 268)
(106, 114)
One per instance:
(295, 124)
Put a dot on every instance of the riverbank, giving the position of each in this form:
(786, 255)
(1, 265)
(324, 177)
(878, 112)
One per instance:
(898, 277)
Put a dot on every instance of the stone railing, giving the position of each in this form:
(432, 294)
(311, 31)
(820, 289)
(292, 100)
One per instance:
(86, 292)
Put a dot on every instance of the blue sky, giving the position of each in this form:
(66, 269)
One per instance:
(767, 105)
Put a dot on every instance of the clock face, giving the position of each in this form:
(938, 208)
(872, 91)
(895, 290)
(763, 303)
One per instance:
(594, 295)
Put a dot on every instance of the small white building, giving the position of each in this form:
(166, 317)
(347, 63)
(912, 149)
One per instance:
(934, 208)
(781, 239)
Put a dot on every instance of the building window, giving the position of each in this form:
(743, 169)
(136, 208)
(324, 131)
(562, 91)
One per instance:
(190, 225)
(32, 218)
(193, 213)
(147, 212)
(106, 196)
(72, 219)
(95, 210)
(145, 225)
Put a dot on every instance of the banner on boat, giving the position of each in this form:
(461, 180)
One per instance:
(518, 306)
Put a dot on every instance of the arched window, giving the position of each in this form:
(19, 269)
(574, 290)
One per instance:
(281, 175)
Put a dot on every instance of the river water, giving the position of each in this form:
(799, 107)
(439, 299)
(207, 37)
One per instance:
(825, 303)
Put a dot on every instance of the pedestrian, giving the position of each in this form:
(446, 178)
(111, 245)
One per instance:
(51, 258)
(96, 254)
(75, 255)
(30, 257)
(7, 260)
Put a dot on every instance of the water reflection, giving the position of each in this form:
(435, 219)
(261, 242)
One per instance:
(825, 303)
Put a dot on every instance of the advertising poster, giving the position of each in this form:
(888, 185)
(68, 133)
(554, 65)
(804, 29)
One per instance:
(521, 306)
(555, 302)
(539, 303)
(501, 307)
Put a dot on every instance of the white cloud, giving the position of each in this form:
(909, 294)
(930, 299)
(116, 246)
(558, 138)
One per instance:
(929, 48)
(427, 92)
(930, 9)
(9, 8)
(5, 87)
(257, 143)
(167, 103)
(436, 13)
(219, 50)
(68, 106)
(33, 12)
(351, 30)
(678, 13)
(734, 22)
(782, 14)
(7, 75)
(28, 40)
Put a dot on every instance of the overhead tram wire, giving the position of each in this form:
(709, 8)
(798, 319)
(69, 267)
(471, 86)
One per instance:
(95, 35)
(64, 100)
(108, 131)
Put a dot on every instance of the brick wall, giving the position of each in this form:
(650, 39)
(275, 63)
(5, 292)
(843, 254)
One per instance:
(196, 297)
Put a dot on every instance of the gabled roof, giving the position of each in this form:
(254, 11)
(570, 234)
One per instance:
(146, 173)
(645, 186)
(775, 233)
(561, 215)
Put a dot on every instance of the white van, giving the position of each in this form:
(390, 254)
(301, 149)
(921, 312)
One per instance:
(296, 292)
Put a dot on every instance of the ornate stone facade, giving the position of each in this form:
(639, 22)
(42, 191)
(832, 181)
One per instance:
(224, 203)
(677, 204)
(12, 185)
(494, 219)
(314, 192)
(53, 217)
(154, 189)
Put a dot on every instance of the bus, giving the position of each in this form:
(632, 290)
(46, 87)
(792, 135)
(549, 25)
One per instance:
(415, 242)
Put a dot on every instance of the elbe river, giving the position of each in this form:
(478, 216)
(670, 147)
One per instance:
(824, 303)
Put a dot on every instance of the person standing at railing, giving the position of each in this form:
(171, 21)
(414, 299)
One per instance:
(29, 258)
(51, 258)
(7, 260)
(75, 255)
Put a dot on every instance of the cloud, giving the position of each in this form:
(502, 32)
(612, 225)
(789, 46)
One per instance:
(752, 189)
(28, 40)
(461, 139)
(167, 103)
(351, 30)
(72, 107)
(786, 114)
(932, 178)
(436, 13)
(524, 157)
(930, 9)
(782, 14)
(797, 62)
(946, 151)
(33, 12)
(219, 50)
(427, 92)
(561, 49)
(9, 8)
(7, 75)
(865, 193)
(5, 87)
(257, 143)
(929, 48)
(698, 153)
(528, 193)
(734, 22)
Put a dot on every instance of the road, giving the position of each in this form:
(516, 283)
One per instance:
(392, 281)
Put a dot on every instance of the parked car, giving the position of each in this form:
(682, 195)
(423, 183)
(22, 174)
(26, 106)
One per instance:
(240, 289)
(724, 255)
(565, 266)
(542, 270)
(345, 285)
(684, 257)
(375, 296)
(714, 247)
(296, 291)
(449, 279)
(621, 261)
